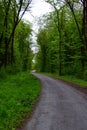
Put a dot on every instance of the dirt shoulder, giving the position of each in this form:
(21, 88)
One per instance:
(78, 87)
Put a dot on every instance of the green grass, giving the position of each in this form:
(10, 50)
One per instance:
(18, 94)
(72, 79)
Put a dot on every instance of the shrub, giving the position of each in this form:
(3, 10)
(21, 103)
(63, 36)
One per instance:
(2, 73)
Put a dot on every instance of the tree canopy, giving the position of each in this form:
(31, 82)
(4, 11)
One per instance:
(62, 40)
(14, 34)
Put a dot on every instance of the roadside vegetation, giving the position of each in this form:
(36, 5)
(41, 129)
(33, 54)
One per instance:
(18, 95)
(18, 89)
(70, 79)
(63, 50)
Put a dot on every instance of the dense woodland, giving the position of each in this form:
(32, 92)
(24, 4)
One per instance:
(62, 52)
(62, 39)
(15, 41)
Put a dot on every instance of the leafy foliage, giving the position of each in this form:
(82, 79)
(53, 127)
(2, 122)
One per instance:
(18, 94)
(14, 35)
(64, 48)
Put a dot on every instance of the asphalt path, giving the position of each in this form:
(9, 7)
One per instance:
(60, 107)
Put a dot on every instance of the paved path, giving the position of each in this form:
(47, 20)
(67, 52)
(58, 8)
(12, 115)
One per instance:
(60, 107)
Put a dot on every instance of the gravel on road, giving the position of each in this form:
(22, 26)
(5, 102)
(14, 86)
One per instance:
(60, 107)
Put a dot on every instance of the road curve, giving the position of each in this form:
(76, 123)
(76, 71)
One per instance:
(60, 107)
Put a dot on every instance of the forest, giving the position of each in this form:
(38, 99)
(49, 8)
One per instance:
(18, 89)
(15, 37)
(62, 50)
(62, 39)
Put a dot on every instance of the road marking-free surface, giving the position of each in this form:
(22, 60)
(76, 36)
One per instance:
(60, 107)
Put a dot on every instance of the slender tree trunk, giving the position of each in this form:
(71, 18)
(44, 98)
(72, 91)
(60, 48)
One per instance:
(9, 40)
(84, 21)
(81, 33)
(60, 58)
(6, 40)
(6, 8)
(12, 51)
(59, 28)
(6, 54)
(60, 42)
(1, 38)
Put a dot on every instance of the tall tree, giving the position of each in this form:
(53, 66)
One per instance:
(71, 43)
(13, 12)
(59, 25)
(22, 50)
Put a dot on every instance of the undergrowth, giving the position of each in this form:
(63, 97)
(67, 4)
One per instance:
(18, 94)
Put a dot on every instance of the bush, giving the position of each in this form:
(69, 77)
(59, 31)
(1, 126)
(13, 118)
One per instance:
(12, 69)
(3, 73)
(9, 70)
(85, 75)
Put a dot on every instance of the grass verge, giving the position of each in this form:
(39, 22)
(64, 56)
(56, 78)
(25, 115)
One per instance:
(18, 94)
(81, 83)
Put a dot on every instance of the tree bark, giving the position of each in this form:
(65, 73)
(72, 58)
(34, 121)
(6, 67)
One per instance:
(9, 40)
(82, 33)
(84, 21)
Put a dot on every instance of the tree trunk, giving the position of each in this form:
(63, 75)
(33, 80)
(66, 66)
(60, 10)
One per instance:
(60, 59)
(12, 51)
(84, 21)
(6, 54)
(82, 33)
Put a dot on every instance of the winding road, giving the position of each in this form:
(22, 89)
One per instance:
(60, 107)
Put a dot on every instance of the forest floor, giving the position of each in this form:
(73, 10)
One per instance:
(61, 107)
